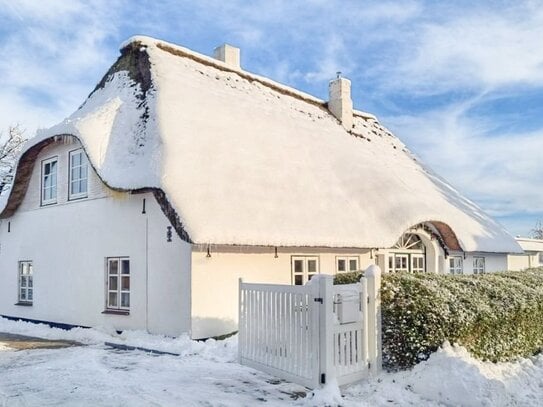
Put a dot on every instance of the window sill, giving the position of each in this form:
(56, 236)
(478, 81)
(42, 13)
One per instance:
(116, 312)
(77, 197)
(24, 304)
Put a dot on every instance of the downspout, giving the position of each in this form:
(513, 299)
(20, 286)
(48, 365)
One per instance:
(146, 273)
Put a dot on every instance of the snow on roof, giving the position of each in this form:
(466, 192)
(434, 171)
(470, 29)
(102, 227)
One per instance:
(245, 160)
(530, 245)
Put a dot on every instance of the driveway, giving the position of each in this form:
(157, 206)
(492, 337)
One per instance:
(21, 342)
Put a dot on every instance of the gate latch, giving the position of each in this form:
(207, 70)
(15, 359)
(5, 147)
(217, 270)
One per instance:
(318, 300)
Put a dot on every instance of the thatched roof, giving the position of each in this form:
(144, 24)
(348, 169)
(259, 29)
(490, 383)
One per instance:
(244, 160)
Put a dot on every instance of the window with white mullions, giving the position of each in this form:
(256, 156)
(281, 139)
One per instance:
(478, 265)
(407, 255)
(401, 263)
(118, 283)
(417, 263)
(456, 265)
(304, 268)
(78, 174)
(346, 264)
(49, 181)
(26, 282)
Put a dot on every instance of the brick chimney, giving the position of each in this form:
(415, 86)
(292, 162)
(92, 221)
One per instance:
(228, 54)
(340, 103)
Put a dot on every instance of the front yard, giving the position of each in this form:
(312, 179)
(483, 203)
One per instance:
(206, 374)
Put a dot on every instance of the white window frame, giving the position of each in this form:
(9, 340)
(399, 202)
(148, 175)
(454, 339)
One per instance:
(456, 265)
(54, 182)
(347, 261)
(25, 276)
(305, 273)
(401, 257)
(84, 164)
(415, 258)
(478, 265)
(120, 277)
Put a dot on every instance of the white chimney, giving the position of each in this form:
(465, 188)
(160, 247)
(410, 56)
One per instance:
(340, 103)
(228, 54)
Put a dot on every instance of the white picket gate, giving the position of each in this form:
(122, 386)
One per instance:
(314, 333)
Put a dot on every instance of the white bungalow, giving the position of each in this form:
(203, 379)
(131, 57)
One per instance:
(181, 173)
(532, 256)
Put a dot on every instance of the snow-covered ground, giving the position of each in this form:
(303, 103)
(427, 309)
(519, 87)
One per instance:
(207, 375)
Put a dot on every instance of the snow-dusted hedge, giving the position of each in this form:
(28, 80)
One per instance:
(496, 316)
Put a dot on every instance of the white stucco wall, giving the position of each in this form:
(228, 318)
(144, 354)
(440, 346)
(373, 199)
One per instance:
(69, 242)
(494, 262)
(215, 280)
(523, 261)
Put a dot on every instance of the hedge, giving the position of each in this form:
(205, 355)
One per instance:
(497, 317)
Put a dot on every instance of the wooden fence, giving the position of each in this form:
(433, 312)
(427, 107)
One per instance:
(312, 334)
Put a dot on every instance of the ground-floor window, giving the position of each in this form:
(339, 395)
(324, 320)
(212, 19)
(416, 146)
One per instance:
(406, 262)
(118, 283)
(303, 268)
(26, 282)
(478, 265)
(401, 262)
(417, 263)
(408, 255)
(345, 264)
(456, 265)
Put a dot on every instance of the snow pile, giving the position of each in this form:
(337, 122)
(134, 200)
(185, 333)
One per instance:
(82, 335)
(329, 395)
(235, 153)
(220, 351)
(452, 377)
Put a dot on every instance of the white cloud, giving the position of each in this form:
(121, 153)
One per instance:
(333, 57)
(484, 49)
(501, 171)
(53, 52)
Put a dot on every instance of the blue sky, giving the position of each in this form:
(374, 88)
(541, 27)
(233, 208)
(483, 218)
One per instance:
(460, 83)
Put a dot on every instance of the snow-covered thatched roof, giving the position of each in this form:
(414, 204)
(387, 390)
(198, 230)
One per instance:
(244, 160)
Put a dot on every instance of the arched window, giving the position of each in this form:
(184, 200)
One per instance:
(407, 255)
(409, 241)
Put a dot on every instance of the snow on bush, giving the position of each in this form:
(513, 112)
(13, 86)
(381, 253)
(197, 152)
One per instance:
(496, 316)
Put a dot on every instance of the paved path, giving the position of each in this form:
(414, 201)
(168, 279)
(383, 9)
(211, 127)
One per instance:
(20, 342)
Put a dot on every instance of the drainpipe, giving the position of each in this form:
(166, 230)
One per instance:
(146, 273)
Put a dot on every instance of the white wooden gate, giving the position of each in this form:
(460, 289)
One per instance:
(312, 334)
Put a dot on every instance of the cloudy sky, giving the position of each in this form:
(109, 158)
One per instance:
(460, 84)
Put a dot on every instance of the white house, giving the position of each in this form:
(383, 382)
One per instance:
(532, 256)
(181, 173)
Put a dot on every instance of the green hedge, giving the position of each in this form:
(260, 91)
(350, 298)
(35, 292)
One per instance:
(496, 316)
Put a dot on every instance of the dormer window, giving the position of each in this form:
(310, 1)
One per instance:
(49, 181)
(78, 174)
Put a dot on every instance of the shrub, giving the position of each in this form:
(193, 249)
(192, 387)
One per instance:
(496, 316)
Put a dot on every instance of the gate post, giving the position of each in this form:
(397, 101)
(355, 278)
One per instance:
(373, 276)
(327, 371)
(241, 320)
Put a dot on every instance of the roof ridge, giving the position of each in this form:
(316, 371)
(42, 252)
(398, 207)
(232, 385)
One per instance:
(181, 51)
